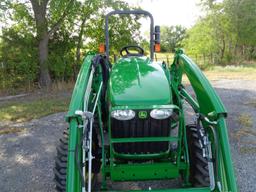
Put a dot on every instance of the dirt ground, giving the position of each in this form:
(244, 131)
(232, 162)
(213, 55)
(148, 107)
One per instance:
(27, 157)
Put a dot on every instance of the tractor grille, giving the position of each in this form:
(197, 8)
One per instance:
(137, 127)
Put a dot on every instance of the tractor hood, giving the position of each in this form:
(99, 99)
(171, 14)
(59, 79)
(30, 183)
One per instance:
(138, 81)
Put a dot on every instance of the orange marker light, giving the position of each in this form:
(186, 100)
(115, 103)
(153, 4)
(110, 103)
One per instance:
(157, 47)
(102, 48)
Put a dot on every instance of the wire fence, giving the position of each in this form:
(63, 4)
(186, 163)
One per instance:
(202, 60)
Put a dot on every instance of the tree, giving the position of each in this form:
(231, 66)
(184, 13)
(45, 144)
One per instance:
(226, 31)
(242, 17)
(123, 30)
(91, 17)
(63, 42)
(171, 37)
(200, 38)
(17, 50)
(44, 33)
(86, 10)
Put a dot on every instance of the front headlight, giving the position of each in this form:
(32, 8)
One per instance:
(161, 113)
(123, 114)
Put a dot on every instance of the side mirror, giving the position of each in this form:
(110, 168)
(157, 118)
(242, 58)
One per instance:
(157, 34)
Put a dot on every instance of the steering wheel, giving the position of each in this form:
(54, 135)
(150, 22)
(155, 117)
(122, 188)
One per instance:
(127, 49)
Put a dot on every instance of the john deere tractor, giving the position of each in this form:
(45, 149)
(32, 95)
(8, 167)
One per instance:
(127, 123)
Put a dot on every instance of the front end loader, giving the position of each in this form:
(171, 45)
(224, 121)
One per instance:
(127, 123)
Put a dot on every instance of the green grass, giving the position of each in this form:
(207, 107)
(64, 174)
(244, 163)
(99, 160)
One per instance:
(24, 111)
(8, 130)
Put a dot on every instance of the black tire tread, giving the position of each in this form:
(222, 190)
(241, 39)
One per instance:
(60, 170)
(199, 173)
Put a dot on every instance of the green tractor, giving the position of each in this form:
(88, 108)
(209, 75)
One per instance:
(127, 123)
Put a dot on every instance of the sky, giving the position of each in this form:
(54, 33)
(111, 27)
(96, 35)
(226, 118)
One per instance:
(170, 12)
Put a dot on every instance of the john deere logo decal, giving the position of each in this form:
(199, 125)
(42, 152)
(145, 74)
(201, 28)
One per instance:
(143, 114)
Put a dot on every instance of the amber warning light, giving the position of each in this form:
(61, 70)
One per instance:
(102, 48)
(157, 47)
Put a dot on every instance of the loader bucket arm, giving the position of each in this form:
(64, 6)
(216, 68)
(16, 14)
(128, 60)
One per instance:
(209, 104)
(73, 180)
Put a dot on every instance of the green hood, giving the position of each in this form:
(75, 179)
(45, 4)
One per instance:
(138, 81)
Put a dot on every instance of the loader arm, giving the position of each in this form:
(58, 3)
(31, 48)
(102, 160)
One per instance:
(208, 104)
(73, 180)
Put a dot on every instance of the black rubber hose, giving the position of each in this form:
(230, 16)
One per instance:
(105, 66)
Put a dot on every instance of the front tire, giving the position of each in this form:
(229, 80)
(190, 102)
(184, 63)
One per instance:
(199, 172)
(60, 169)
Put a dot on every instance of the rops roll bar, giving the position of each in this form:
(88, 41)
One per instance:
(133, 12)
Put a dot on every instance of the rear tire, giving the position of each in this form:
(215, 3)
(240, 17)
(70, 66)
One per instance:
(199, 173)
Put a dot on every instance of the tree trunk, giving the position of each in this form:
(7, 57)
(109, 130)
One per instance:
(43, 34)
(223, 50)
(44, 78)
(39, 8)
(252, 50)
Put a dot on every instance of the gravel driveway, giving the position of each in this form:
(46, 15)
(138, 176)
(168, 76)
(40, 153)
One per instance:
(27, 157)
